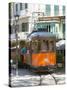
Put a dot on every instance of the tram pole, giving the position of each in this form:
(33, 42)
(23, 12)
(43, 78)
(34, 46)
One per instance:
(16, 35)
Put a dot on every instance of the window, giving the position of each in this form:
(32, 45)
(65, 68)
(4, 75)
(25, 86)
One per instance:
(63, 10)
(16, 7)
(51, 46)
(49, 27)
(34, 46)
(48, 10)
(56, 10)
(64, 30)
(12, 28)
(24, 27)
(41, 27)
(26, 5)
(52, 27)
(44, 46)
(20, 6)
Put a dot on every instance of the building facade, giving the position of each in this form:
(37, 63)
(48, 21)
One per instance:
(38, 16)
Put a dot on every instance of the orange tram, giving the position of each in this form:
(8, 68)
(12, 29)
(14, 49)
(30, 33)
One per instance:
(41, 51)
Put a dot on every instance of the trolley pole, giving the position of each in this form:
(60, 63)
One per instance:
(16, 35)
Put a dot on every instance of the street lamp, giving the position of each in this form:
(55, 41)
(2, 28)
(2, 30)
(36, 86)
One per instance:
(16, 35)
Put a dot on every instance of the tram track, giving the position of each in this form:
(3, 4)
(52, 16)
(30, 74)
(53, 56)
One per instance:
(53, 78)
(47, 73)
(29, 78)
(47, 78)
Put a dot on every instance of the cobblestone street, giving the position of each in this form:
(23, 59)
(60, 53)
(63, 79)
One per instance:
(27, 78)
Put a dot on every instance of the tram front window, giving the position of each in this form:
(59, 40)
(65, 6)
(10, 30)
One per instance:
(44, 46)
(47, 46)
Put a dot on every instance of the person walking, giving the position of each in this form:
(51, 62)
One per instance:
(23, 53)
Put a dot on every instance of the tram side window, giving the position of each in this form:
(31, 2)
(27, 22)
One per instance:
(44, 46)
(34, 47)
(51, 46)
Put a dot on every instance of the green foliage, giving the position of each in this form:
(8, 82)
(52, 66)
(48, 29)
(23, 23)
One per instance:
(19, 61)
(22, 43)
(20, 65)
(13, 44)
(59, 57)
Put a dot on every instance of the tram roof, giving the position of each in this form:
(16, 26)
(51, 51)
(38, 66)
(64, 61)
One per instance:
(41, 34)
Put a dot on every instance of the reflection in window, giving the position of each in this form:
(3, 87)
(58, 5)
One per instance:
(38, 46)
(44, 46)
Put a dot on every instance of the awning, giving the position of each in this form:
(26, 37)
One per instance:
(60, 45)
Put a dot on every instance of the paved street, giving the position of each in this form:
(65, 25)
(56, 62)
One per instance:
(27, 78)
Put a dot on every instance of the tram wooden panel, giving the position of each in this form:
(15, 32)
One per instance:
(44, 59)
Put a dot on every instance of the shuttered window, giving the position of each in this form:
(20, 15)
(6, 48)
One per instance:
(56, 10)
(48, 10)
(24, 27)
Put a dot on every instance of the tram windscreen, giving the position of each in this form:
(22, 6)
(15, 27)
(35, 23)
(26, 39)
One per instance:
(42, 46)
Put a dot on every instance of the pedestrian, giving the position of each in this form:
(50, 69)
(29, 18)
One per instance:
(23, 53)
